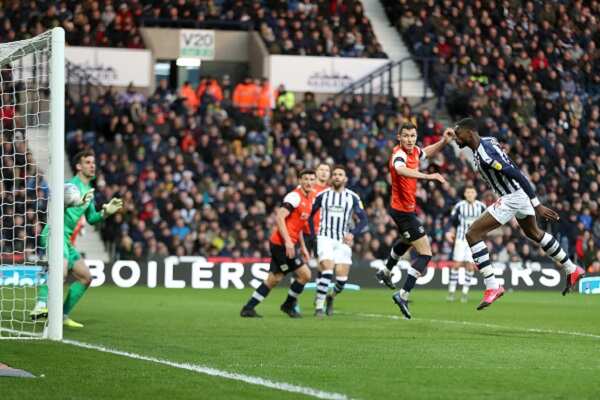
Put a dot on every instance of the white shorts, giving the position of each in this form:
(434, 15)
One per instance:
(462, 252)
(516, 204)
(333, 250)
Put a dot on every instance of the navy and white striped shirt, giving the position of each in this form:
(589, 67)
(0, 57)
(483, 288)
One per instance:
(464, 214)
(336, 214)
(499, 171)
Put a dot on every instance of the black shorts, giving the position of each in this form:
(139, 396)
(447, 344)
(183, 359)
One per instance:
(410, 227)
(280, 262)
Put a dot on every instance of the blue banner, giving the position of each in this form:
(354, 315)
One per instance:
(22, 275)
(590, 285)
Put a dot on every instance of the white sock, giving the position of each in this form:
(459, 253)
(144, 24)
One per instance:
(552, 248)
(468, 280)
(489, 278)
(404, 294)
(322, 288)
(453, 281)
(570, 267)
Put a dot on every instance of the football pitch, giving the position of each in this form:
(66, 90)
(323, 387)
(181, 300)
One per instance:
(191, 344)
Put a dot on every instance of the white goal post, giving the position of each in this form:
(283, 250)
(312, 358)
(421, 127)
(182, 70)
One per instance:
(32, 146)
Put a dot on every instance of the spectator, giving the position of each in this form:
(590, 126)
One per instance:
(285, 98)
(190, 99)
(245, 95)
(208, 179)
(265, 98)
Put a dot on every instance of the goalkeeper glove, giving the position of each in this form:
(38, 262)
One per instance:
(85, 200)
(111, 207)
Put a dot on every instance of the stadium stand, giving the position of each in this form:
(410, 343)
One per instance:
(201, 168)
(203, 177)
(322, 28)
(87, 23)
(530, 73)
(329, 28)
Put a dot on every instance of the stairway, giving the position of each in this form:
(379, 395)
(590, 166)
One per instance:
(409, 82)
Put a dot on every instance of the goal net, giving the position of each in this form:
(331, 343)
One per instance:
(31, 165)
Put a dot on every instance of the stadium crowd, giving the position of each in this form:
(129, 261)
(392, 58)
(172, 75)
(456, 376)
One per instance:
(201, 174)
(504, 53)
(201, 168)
(110, 23)
(323, 28)
(530, 73)
(298, 27)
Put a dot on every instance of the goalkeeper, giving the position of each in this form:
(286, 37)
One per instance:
(85, 165)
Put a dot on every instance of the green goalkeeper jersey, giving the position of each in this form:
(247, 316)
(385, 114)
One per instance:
(73, 214)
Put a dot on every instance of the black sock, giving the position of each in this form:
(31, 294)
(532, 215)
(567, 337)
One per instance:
(296, 289)
(420, 263)
(259, 295)
(398, 250)
(339, 286)
(419, 266)
(409, 283)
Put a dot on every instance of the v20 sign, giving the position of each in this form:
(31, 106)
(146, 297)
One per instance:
(197, 43)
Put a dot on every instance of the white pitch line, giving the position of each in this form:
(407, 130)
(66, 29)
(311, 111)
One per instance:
(484, 325)
(201, 369)
(20, 334)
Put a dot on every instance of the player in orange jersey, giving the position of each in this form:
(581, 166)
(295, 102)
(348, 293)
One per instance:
(404, 170)
(292, 221)
(323, 173)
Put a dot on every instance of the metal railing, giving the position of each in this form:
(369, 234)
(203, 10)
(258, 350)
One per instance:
(390, 81)
(81, 82)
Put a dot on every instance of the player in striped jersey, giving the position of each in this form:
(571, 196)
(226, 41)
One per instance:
(291, 221)
(516, 199)
(323, 173)
(464, 213)
(334, 240)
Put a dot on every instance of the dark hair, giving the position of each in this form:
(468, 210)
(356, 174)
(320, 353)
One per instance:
(306, 172)
(339, 166)
(467, 124)
(406, 125)
(326, 164)
(82, 154)
(469, 186)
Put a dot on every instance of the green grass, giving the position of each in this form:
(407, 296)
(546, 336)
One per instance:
(364, 356)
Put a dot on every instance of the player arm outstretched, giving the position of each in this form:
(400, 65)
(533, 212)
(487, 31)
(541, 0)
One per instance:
(438, 146)
(399, 163)
(413, 173)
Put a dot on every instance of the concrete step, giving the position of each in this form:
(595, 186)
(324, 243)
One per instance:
(390, 39)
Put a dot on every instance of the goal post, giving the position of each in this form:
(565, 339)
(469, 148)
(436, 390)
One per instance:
(56, 179)
(32, 146)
